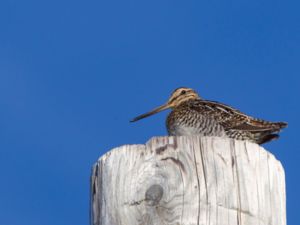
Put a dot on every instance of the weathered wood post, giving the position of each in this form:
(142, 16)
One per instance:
(188, 181)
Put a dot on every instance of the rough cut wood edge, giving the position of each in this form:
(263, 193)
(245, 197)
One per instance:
(188, 181)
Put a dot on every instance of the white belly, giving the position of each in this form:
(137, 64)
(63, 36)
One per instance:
(182, 130)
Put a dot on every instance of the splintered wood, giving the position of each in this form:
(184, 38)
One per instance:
(188, 181)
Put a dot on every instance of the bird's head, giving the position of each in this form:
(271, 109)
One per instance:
(178, 96)
(181, 95)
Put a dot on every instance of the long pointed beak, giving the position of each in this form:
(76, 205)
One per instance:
(156, 110)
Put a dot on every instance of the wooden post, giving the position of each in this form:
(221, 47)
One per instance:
(188, 181)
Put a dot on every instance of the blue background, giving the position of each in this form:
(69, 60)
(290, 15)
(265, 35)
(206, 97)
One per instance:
(73, 73)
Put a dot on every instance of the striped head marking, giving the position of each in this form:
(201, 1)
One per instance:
(178, 96)
(181, 95)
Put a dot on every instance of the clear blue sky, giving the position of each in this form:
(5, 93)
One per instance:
(73, 73)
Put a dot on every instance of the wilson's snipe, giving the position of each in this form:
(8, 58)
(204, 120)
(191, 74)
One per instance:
(191, 115)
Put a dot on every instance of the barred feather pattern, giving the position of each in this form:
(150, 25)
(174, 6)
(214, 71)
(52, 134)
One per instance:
(210, 118)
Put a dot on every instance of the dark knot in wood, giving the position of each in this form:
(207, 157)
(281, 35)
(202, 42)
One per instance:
(154, 194)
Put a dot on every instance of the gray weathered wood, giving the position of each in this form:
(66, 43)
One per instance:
(188, 181)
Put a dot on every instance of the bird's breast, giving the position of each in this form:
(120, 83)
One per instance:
(187, 122)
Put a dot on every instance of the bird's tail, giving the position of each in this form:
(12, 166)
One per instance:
(268, 125)
(257, 131)
(271, 132)
(264, 138)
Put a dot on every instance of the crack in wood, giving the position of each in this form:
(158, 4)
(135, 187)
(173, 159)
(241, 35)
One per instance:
(176, 161)
(161, 149)
(222, 158)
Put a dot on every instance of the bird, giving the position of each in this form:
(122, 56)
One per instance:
(192, 115)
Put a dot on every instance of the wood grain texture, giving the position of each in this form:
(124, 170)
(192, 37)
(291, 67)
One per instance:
(188, 181)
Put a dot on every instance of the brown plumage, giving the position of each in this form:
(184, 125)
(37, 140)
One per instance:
(192, 115)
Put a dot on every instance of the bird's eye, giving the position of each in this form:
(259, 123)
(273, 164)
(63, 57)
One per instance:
(183, 92)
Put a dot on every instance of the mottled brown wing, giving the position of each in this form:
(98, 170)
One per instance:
(231, 118)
